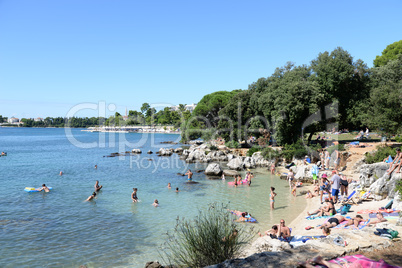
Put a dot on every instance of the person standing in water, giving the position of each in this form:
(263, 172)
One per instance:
(272, 197)
(134, 195)
(249, 176)
(189, 175)
(97, 187)
(273, 168)
(96, 166)
(61, 173)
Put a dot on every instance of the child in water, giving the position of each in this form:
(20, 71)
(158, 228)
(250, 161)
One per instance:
(272, 197)
(156, 203)
(134, 195)
(294, 189)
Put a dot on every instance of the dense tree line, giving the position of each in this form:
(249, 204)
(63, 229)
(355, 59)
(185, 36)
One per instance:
(333, 91)
(74, 122)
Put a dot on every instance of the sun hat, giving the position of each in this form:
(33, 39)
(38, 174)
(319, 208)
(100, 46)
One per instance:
(324, 175)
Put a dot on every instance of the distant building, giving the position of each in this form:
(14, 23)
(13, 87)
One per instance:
(38, 119)
(189, 107)
(125, 117)
(13, 120)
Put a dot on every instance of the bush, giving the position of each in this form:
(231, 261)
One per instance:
(270, 154)
(212, 237)
(232, 144)
(379, 155)
(398, 138)
(253, 150)
(297, 150)
(213, 148)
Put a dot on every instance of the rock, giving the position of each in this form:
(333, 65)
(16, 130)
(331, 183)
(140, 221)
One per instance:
(218, 156)
(213, 169)
(178, 150)
(181, 174)
(266, 243)
(136, 151)
(385, 186)
(230, 173)
(230, 156)
(196, 155)
(149, 152)
(249, 162)
(236, 163)
(165, 152)
(153, 264)
(196, 142)
(369, 173)
(168, 142)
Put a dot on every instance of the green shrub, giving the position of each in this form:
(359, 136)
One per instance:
(379, 155)
(213, 148)
(232, 144)
(253, 150)
(270, 154)
(298, 150)
(398, 138)
(211, 238)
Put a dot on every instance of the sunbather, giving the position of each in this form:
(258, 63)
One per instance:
(332, 222)
(380, 218)
(397, 162)
(328, 209)
(319, 260)
(355, 221)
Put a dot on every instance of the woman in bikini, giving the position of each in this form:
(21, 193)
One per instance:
(272, 197)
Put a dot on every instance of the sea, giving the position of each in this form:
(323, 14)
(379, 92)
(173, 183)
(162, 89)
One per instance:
(61, 229)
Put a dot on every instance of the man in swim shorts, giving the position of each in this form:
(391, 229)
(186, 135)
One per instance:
(336, 184)
(332, 222)
(134, 195)
(189, 175)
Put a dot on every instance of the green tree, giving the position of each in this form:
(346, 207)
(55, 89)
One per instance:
(144, 108)
(391, 52)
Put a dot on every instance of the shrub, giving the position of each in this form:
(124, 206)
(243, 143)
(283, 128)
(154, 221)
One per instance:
(232, 144)
(253, 150)
(379, 155)
(398, 138)
(213, 148)
(298, 150)
(270, 154)
(212, 237)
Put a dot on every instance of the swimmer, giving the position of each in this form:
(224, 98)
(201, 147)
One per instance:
(96, 166)
(242, 217)
(44, 188)
(272, 197)
(156, 203)
(97, 187)
(61, 173)
(91, 197)
(189, 175)
(169, 186)
(223, 176)
(134, 195)
(177, 189)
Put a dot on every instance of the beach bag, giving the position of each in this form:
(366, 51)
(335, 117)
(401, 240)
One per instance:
(393, 233)
(345, 209)
(339, 241)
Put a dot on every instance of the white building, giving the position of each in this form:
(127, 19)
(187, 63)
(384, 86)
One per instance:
(13, 120)
(38, 119)
(189, 107)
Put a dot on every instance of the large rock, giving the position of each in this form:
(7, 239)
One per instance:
(136, 151)
(178, 150)
(385, 186)
(230, 173)
(195, 155)
(236, 163)
(265, 243)
(213, 169)
(369, 173)
(218, 156)
(249, 162)
(165, 152)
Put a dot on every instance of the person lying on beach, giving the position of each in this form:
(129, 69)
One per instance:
(320, 261)
(134, 195)
(332, 222)
(44, 188)
(156, 203)
(97, 187)
(380, 218)
(355, 221)
(91, 197)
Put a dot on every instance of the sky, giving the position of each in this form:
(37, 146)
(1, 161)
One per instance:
(96, 57)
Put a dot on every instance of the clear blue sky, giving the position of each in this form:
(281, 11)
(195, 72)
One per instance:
(56, 54)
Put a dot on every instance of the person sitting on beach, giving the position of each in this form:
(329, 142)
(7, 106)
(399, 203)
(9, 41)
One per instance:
(306, 160)
(169, 186)
(283, 231)
(272, 197)
(309, 194)
(134, 195)
(355, 221)
(272, 232)
(327, 210)
(156, 203)
(97, 187)
(44, 188)
(332, 222)
(397, 161)
(91, 197)
(316, 190)
(380, 218)
(189, 175)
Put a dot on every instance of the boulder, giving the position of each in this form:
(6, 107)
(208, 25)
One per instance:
(136, 151)
(385, 186)
(218, 156)
(230, 156)
(266, 243)
(236, 163)
(230, 173)
(178, 150)
(153, 264)
(196, 155)
(249, 162)
(165, 152)
(213, 169)
(369, 173)
(149, 152)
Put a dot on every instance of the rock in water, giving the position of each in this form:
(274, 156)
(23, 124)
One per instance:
(213, 169)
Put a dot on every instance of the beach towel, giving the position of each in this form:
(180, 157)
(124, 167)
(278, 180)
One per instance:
(362, 224)
(392, 214)
(299, 240)
(363, 261)
(368, 211)
(313, 217)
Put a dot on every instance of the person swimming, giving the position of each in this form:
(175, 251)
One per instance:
(177, 189)
(61, 173)
(44, 188)
(134, 195)
(156, 203)
(169, 185)
(91, 197)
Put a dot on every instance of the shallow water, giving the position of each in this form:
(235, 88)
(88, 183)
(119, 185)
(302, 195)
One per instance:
(59, 229)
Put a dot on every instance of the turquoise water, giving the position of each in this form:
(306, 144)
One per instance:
(59, 229)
